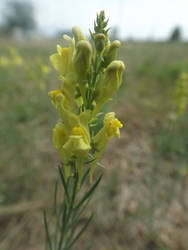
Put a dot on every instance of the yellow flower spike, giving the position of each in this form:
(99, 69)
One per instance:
(82, 59)
(78, 34)
(110, 52)
(60, 60)
(108, 84)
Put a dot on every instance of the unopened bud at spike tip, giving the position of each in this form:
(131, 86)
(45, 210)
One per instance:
(82, 59)
(100, 41)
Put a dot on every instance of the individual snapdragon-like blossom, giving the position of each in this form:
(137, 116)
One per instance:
(110, 129)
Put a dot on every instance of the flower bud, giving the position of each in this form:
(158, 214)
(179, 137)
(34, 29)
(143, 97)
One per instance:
(82, 59)
(110, 81)
(78, 34)
(100, 41)
(110, 52)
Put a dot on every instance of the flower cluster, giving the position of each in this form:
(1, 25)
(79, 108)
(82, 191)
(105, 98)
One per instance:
(90, 75)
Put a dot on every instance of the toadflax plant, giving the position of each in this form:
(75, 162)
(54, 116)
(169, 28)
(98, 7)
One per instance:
(90, 75)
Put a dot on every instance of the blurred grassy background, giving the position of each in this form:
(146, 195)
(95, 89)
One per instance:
(142, 202)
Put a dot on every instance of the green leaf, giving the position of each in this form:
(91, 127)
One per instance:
(55, 197)
(47, 231)
(80, 232)
(64, 183)
(85, 176)
(63, 228)
(89, 193)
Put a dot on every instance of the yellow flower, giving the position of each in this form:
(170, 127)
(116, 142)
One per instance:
(111, 128)
(60, 60)
(62, 104)
(57, 96)
(77, 143)
(112, 125)
(80, 131)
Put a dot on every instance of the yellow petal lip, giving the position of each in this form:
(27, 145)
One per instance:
(54, 93)
(62, 51)
(80, 131)
(112, 125)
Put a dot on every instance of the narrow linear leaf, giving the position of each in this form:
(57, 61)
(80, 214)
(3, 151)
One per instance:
(85, 175)
(58, 215)
(63, 228)
(73, 193)
(75, 222)
(47, 231)
(77, 214)
(100, 165)
(55, 197)
(64, 182)
(89, 193)
(80, 232)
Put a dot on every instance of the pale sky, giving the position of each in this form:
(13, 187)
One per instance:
(139, 19)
